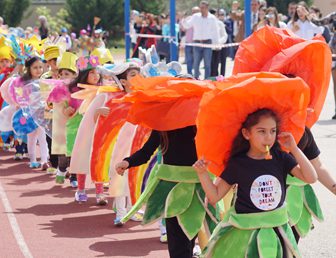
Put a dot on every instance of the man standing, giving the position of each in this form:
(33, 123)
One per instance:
(205, 28)
(189, 58)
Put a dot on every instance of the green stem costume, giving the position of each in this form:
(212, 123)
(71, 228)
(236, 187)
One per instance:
(302, 205)
(72, 126)
(175, 191)
(252, 235)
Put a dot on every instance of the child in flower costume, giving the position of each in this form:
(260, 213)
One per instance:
(279, 50)
(169, 106)
(235, 145)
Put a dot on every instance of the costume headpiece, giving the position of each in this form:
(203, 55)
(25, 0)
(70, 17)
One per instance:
(67, 61)
(87, 62)
(104, 55)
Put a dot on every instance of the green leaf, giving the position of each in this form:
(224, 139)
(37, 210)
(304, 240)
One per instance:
(312, 203)
(179, 199)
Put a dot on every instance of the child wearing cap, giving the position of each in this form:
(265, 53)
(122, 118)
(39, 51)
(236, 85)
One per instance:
(61, 113)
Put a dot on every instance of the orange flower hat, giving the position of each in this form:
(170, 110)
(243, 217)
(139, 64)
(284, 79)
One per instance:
(279, 50)
(165, 103)
(223, 111)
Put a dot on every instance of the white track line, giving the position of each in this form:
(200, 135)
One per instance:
(14, 224)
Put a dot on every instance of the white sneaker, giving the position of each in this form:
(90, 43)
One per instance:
(137, 217)
(163, 238)
(197, 251)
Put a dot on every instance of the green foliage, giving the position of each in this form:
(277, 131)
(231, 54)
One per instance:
(82, 13)
(111, 12)
(153, 6)
(55, 22)
(283, 4)
(12, 11)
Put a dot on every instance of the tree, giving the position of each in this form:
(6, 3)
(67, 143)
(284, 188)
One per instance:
(12, 11)
(282, 5)
(55, 22)
(153, 6)
(111, 12)
(82, 13)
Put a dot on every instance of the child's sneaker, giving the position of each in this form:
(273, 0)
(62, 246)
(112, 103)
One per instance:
(81, 197)
(51, 170)
(117, 222)
(60, 177)
(74, 183)
(197, 251)
(18, 156)
(163, 238)
(101, 200)
(25, 155)
(34, 165)
(137, 217)
(45, 166)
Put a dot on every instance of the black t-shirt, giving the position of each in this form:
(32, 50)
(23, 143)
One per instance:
(261, 183)
(308, 145)
(180, 150)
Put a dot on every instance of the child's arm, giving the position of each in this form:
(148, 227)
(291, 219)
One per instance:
(305, 171)
(323, 175)
(214, 192)
(141, 156)
(102, 111)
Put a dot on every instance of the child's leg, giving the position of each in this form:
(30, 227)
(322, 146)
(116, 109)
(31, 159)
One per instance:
(162, 226)
(163, 231)
(62, 166)
(80, 195)
(101, 199)
(32, 140)
(120, 204)
(41, 134)
(81, 182)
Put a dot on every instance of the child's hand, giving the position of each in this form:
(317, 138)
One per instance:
(121, 167)
(103, 111)
(296, 27)
(69, 111)
(201, 166)
(287, 141)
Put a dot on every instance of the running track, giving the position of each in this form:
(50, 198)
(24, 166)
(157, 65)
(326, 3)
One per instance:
(40, 219)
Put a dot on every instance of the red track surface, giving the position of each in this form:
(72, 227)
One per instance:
(53, 225)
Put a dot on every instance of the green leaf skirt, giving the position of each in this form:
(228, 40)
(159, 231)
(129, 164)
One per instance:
(252, 235)
(302, 206)
(175, 191)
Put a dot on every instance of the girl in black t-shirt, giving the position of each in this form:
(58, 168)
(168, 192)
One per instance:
(259, 207)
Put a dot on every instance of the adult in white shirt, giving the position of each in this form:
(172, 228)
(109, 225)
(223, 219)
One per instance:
(206, 31)
(301, 25)
(216, 53)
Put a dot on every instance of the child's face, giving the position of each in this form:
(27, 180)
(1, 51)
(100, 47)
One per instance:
(93, 77)
(36, 69)
(132, 73)
(66, 74)
(108, 80)
(52, 64)
(4, 63)
(262, 134)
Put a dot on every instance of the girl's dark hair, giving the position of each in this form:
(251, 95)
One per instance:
(123, 76)
(81, 78)
(240, 144)
(164, 142)
(276, 15)
(28, 63)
